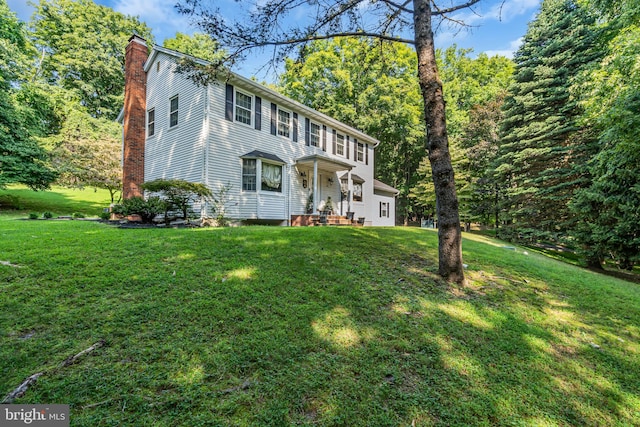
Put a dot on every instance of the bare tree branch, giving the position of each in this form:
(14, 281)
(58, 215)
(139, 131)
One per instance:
(441, 12)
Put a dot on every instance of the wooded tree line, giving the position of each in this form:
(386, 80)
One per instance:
(544, 147)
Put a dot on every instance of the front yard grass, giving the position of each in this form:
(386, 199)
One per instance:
(270, 326)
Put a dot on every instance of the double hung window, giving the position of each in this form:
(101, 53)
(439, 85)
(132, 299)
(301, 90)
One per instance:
(173, 111)
(244, 104)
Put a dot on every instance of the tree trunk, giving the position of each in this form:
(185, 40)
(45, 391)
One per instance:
(449, 233)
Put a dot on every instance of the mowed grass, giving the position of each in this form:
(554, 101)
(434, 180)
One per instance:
(60, 201)
(271, 326)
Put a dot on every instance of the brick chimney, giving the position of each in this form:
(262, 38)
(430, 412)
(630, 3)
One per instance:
(135, 105)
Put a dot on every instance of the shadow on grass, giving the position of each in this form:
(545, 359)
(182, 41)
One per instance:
(320, 326)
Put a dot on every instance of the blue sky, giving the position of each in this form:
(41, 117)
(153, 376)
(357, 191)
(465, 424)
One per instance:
(497, 26)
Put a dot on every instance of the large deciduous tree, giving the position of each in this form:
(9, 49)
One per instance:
(82, 46)
(22, 159)
(272, 23)
(371, 85)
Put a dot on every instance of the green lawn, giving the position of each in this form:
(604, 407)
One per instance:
(59, 201)
(260, 326)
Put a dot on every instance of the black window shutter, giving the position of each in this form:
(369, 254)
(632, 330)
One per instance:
(228, 112)
(334, 141)
(347, 150)
(258, 109)
(307, 131)
(366, 154)
(380, 214)
(274, 118)
(295, 127)
(355, 149)
(324, 138)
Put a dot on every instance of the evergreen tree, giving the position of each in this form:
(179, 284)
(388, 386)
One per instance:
(544, 149)
(609, 210)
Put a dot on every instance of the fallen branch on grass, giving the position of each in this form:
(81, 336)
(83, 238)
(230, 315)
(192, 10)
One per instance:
(73, 359)
(8, 264)
(22, 388)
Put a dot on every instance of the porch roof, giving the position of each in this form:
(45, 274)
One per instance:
(325, 163)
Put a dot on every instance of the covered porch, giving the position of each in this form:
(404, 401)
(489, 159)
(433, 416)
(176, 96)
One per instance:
(321, 171)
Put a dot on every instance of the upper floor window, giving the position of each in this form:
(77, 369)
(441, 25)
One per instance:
(360, 152)
(249, 174)
(151, 122)
(284, 123)
(314, 135)
(173, 112)
(340, 145)
(243, 108)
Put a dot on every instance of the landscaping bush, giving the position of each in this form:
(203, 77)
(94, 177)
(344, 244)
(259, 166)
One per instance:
(146, 209)
(77, 215)
(47, 215)
(33, 215)
(178, 193)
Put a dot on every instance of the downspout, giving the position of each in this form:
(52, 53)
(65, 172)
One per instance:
(204, 207)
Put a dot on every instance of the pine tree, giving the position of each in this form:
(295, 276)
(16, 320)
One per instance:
(544, 150)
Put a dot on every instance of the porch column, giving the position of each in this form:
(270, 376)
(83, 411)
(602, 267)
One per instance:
(315, 186)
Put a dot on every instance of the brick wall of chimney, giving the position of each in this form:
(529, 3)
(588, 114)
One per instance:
(135, 105)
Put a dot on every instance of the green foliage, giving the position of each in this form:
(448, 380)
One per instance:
(22, 159)
(147, 209)
(33, 215)
(47, 215)
(78, 215)
(219, 200)
(85, 44)
(544, 150)
(609, 209)
(87, 152)
(198, 45)
(179, 193)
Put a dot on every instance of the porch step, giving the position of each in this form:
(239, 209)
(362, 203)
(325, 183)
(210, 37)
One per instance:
(314, 220)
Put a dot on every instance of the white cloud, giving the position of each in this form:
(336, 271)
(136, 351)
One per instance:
(513, 47)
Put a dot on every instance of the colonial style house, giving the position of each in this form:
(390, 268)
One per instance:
(284, 162)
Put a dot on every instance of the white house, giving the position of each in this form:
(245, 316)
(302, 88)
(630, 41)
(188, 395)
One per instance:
(282, 160)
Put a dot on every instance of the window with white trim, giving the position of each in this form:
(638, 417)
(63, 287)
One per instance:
(244, 105)
(284, 123)
(314, 135)
(151, 122)
(340, 145)
(173, 111)
(249, 170)
(360, 152)
(384, 209)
